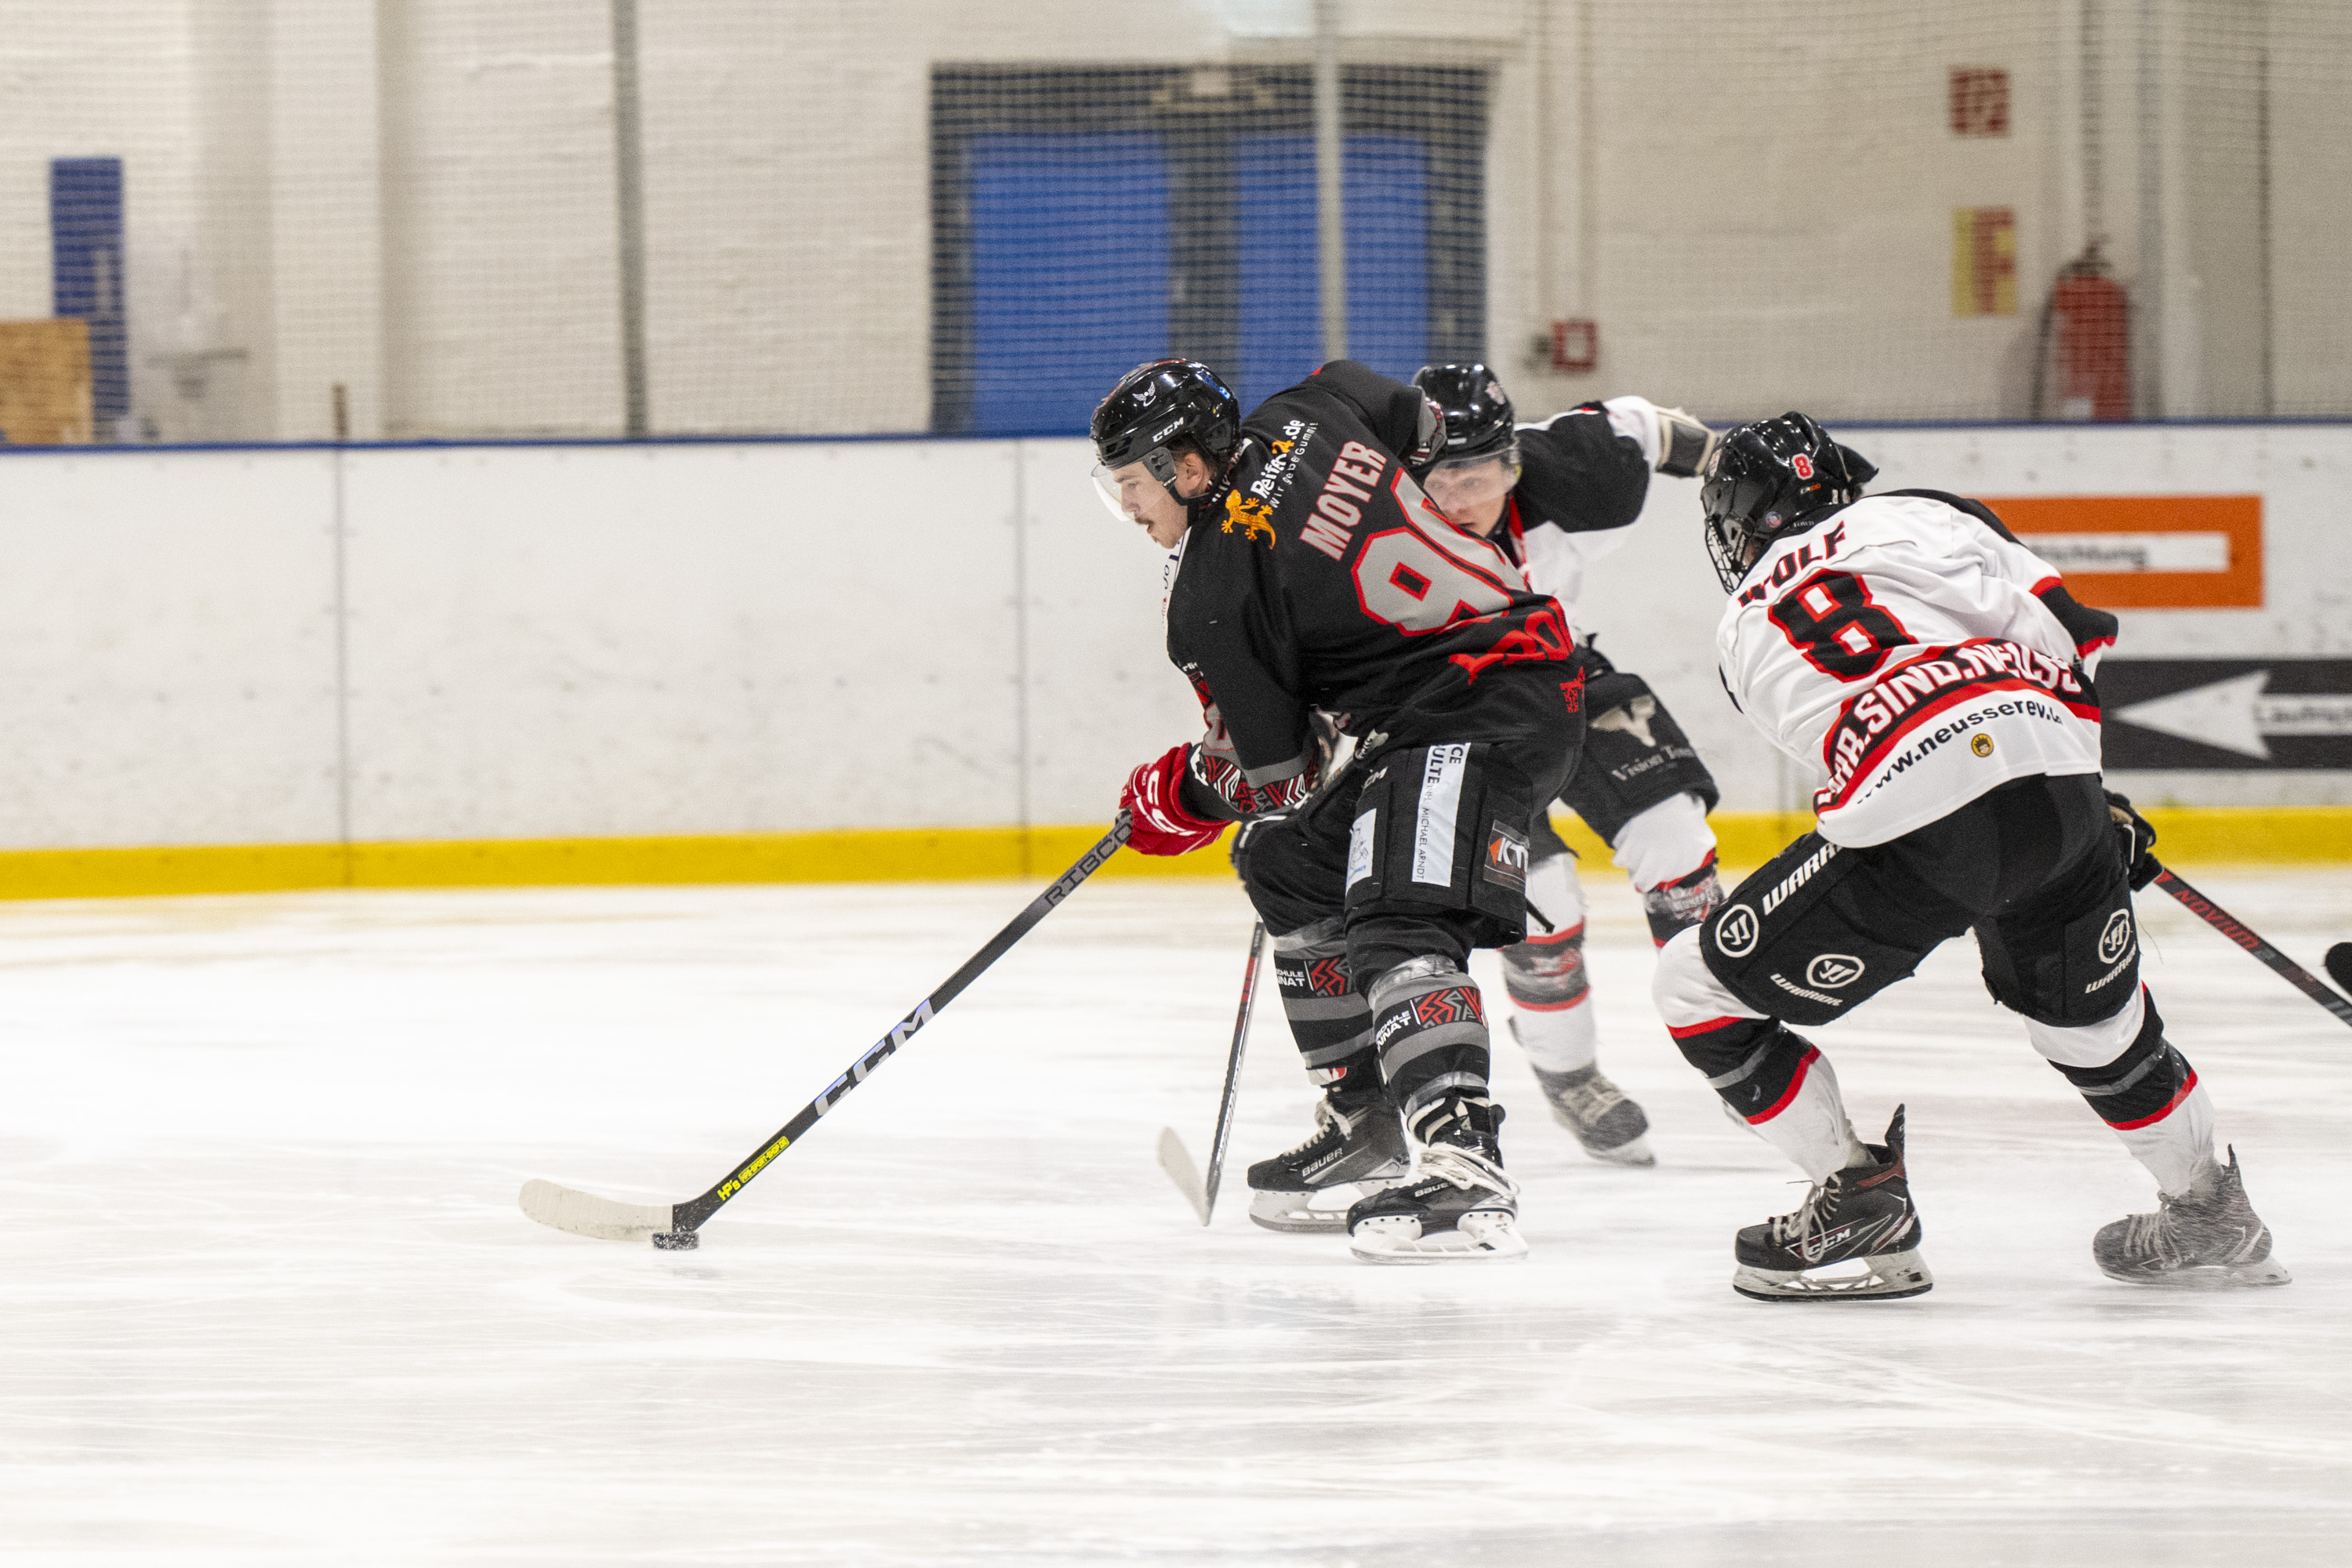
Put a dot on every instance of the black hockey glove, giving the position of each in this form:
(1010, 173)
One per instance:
(2136, 838)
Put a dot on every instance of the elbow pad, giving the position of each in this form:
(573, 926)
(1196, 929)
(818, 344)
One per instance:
(1684, 444)
(1672, 442)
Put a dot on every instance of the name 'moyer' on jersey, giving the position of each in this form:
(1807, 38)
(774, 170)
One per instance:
(1904, 650)
(1323, 578)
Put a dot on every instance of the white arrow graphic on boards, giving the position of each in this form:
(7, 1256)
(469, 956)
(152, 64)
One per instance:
(2237, 715)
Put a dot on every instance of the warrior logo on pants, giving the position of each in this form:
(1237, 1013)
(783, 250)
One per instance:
(1831, 970)
(2116, 937)
(1737, 932)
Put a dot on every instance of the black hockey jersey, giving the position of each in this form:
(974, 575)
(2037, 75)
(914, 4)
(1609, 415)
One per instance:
(1320, 577)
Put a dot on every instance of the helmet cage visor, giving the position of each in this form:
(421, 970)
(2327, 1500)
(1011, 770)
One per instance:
(1738, 523)
(1476, 480)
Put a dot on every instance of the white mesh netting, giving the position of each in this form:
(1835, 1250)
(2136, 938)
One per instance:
(284, 219)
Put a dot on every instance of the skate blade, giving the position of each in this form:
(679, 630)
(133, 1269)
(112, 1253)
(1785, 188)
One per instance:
(1477, 1238)
(1313, 1214)
(1888, 1276)
(1634, 1152)
(2212, 1277)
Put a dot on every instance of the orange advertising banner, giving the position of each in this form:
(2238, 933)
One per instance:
(2147, 553)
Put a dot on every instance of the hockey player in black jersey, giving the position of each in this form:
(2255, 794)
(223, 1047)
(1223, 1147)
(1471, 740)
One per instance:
(1557, 496)
(1937, 675)
(1311, 573)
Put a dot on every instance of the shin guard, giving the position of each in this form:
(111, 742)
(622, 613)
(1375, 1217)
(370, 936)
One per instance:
(1330, 1019)
(1778, 1082)
(1686, 901)
(1429, 1026)
(1545, 975)
(2149, 1093)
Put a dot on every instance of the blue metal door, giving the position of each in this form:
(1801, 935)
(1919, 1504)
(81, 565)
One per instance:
(1069, 267)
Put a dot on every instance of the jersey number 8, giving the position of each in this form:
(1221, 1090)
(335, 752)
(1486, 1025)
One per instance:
(1837, 626)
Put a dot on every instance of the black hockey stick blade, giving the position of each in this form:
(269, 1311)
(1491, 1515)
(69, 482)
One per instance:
(2339, 965)
(2286, 968)
(672, 1227)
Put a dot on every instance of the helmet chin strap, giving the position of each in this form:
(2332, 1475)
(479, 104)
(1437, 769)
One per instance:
(1195, 509)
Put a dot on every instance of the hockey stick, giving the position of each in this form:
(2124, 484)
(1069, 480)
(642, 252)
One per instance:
(2340, 957)
(672, 1227)
(1173, 1159)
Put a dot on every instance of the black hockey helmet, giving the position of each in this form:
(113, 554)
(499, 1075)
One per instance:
(1476, 410)
(1769, 479)
(1165, 400)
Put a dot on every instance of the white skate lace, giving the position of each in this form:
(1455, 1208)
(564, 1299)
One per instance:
(1791, 1229)
(2150, 1233)
(1325, 1118)
(1465, 1168)
(1591, 1100)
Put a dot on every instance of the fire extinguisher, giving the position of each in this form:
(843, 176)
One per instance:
(2082, 369)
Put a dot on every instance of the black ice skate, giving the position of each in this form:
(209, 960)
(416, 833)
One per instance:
(1610, 1125)
(2210, 1238)
(1856, 1237)
(1358, 1149)
(1458, 1209)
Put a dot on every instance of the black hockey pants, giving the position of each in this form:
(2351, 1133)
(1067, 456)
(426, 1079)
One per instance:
(1376, 890)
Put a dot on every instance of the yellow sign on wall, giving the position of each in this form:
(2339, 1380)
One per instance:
(1984, 261)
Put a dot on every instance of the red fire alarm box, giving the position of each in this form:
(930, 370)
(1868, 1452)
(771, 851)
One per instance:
(1980, 102)
(1576, 345)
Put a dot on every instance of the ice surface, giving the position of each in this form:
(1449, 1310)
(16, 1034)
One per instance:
(266, 1297)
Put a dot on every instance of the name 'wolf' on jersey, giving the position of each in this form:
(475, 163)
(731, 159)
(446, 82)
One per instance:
(1321, 577)
(1909, 648)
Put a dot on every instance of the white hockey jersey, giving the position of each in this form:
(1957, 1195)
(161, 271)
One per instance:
(1584, 475)
(1913, 655)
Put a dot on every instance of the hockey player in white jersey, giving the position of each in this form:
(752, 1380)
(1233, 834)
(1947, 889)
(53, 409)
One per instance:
(1559, 495)
(1938, 676)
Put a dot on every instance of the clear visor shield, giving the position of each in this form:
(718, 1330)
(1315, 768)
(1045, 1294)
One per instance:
(1468, 484)
(1127, 490)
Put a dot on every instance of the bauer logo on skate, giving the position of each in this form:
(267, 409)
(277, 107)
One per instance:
(1735, 933)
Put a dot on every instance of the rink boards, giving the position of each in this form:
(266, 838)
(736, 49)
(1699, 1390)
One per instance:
(815, 661)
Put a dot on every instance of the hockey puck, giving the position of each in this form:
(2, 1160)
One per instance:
(2339, 964)
(676, 1241)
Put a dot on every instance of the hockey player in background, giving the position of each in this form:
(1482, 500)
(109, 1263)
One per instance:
(1937, 673)
(1557, 496)
(1310, 572)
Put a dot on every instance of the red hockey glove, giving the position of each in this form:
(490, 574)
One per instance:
(1154, 802)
